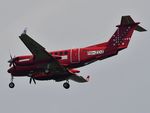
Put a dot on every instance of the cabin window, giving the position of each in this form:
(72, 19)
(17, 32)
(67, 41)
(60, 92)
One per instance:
(61, 53)
(66, 52)
(84, 50)
(56, 53)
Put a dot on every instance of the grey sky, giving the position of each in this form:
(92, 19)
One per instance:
(120, 84)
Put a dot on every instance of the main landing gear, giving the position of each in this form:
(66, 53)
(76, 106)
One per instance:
(11, 84)
(66, 85)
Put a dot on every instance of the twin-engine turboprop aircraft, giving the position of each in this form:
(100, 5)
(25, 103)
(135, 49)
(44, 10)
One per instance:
(61, 65)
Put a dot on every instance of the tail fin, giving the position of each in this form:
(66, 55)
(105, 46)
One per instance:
(127, 21)
(122, 36)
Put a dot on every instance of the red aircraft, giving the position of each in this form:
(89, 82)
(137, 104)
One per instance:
(61, 65)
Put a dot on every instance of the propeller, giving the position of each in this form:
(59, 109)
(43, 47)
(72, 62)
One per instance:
(32, 79)
(12, 61)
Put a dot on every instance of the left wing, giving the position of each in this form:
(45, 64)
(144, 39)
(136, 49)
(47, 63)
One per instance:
(35, 48)
(40, 54)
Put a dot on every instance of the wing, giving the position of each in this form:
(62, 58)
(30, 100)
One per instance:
(35, 48)
(40, 54)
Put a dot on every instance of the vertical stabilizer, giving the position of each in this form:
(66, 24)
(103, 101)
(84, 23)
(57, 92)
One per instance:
(122, 36)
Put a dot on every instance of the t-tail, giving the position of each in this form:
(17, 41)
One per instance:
(122, 36)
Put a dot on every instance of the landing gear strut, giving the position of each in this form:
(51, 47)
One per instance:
(11, 84)
(66, 85)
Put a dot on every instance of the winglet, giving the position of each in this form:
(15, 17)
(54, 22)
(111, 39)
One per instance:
(88, 78)
(24, 31)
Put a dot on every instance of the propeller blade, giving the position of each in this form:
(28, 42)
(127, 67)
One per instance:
(31, 80)
(11, 56)
(34, 81)
(10, 64)
(14, 65)
(11, 61)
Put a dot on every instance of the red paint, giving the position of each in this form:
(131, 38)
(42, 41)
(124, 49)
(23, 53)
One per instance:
(78, 57)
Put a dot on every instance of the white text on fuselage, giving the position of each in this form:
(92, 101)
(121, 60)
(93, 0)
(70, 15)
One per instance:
(97, 52)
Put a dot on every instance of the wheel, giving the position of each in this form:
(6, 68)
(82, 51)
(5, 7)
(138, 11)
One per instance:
(11, 85)
(66, 85)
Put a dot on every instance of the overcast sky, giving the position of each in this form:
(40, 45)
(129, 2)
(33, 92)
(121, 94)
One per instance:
(120, 84)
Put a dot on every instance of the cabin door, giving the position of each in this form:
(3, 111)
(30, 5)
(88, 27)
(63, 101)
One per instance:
(75, 55)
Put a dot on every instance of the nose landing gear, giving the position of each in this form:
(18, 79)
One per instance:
(11, 84)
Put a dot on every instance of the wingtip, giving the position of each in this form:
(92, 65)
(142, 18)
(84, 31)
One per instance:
(87, 78)
(24, 31)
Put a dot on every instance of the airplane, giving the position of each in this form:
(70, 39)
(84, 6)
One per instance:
(61, 65)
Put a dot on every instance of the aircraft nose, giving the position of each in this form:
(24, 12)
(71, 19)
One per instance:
(10, 70)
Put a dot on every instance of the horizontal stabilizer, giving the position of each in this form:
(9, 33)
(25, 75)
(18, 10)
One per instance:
(140, 29)
(127, 21)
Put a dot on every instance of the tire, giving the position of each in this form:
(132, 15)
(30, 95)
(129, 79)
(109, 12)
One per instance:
(66, 85)
(11, 85)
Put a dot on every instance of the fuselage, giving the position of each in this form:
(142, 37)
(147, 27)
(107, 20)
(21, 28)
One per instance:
(70, 58)
(61, 65)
